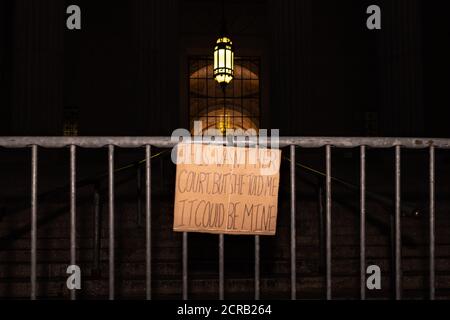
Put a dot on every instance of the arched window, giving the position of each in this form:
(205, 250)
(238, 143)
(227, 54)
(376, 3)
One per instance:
(236, 108)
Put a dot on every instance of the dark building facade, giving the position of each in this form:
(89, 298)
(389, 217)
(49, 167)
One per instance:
(144, 68)
(322, 71)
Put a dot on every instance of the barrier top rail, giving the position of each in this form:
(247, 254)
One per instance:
(168, 142)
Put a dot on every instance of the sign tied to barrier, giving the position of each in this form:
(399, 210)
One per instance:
(227, 190)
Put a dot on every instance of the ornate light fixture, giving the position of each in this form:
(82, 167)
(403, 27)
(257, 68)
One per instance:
(224, 68)
(223, 61)
(223, 55)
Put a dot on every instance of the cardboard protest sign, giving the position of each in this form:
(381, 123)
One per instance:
(229, 190)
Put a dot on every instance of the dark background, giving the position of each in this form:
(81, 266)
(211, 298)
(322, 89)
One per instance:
(126, 72)
(323, 71)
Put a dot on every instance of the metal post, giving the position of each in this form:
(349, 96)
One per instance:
(392, 276)
(139, 193)
(148, 219)
(257, 268)
(398, 244)
(111, 221)
(97, 228)
(73, 217)
(328, 220)
(432, 223)
(320, 198)
(362, 231)
(221, 267)
(34, 186)
(185, 266)
(168, 142)
(293, 231)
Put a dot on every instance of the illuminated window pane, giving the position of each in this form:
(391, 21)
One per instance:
(240, 109)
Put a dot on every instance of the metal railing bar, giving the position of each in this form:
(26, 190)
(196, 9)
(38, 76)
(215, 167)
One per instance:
(97, 228)
(398, 239)
(257, 268)
(139, 194)
(168, 142)
(34, 186)
(148, 221)
(380, 224)
(73, 245)
(79, 184)
(321, 218)
(406, 208)
(293, 229)
(185, 265)
(392, 275)
(305, 143)
(432, 224)
(363, 223)
(11, 236)
(328, 221)
(111, 222)
(221, 267)
(93, 180)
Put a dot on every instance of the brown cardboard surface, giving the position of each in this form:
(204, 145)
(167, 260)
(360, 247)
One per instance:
(229, 190)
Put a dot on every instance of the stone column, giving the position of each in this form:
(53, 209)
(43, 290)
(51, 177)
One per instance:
(5, 66)
(290, 63)
(38, 67)
(157, 41)
(401, 69)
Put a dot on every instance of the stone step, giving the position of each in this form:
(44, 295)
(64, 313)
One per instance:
(162, 214)
(173, 269)
(195, 252)
(311, 287)
(162, 235)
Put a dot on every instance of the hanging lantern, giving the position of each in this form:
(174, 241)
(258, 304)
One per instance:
(223, 61)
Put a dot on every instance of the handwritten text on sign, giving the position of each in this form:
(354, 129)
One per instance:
(229, 190)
